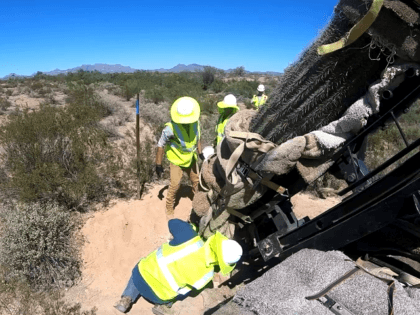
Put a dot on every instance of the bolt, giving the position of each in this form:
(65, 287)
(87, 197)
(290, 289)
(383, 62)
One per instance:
(351, 178)
(339, 307)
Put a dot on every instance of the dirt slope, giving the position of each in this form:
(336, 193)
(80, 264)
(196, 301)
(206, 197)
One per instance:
(117, 237)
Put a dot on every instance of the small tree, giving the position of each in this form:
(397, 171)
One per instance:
(239, 71)
(208, 76)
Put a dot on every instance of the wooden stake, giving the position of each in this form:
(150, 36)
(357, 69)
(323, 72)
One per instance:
(138, 144)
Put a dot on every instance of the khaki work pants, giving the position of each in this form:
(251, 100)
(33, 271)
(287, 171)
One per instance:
(176, 176)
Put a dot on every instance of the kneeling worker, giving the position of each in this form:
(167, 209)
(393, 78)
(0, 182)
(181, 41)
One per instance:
(226, 109)
(185, 263)
(180, 141)
(260, 98)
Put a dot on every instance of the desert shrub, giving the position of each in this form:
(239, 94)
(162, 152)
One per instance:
(57, 153)
(183, 89)
(208, 133)
(155, 95)
(9, 92)
(248, 103)
(37, 245)
(207, 76)
(17, 298)
(386, 142)
(130, 88)
(208, 104)
(37, 85)
(146, 162)
(243, 88)
(218, 86)
(239, 71)
(82, 95)
(4, 104)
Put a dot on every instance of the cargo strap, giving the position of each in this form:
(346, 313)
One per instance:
(243, 217)
(362, 265)
(263, 147)
(356, 31)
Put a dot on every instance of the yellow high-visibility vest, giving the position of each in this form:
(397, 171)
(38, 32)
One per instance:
(259, 102)
(220, 127)
(181, 149)
(173, 270)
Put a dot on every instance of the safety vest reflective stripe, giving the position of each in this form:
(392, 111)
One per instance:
(180, 136)
(203, 281)
(164, 261)
(261, 101)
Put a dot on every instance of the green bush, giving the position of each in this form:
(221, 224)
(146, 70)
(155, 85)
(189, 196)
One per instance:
(130, 88)
(17, 298)
(243, 88)
(155, 95)
(218, 86)
(37, 245)
(146, 162)
(4, 104)
(208, 104)
(58, 153)
(386, 142)
(207, 76)
(239, 71)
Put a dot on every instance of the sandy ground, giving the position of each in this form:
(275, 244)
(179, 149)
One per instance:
(115, 239)
(118, 236)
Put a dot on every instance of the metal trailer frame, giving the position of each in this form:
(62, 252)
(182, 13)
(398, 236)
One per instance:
(275, 231)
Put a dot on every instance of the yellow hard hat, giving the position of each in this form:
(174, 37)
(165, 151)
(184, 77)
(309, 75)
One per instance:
(185, 110)
(228, 102)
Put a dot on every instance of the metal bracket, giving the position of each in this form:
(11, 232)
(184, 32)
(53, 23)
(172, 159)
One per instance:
(334, 306)
(243, 170)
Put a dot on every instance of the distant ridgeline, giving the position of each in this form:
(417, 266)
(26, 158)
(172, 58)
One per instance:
(105, 68)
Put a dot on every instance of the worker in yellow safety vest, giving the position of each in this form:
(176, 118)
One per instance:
(226, 109)
(180, 140)
(184, 264)
(260, 98)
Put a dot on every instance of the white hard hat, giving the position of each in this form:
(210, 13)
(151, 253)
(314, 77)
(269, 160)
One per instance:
(207, 152)
(260, 88)
(231, 251)
(185, 110)
(228, 101)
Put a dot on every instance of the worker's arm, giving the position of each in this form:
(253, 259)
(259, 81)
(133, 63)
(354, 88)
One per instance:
(199, 150)
(164, 138)
(159, 155)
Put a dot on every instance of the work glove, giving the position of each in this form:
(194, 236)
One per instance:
(201, 156)
(159, 170)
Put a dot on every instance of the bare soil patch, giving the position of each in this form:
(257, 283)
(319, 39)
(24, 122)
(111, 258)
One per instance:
(118, 236)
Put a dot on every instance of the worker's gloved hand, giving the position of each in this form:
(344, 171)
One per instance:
(159, 170)
(201, 156)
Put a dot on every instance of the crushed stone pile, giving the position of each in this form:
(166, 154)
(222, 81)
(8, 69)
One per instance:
(282, 290)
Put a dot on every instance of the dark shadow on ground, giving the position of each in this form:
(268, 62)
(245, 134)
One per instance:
(184, 191)
(160, 194)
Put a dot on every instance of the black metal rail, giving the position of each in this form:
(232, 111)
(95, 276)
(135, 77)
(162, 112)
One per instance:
(371, 206)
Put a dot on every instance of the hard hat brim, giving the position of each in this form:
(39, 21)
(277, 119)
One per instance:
(188, 119)
(224, 105)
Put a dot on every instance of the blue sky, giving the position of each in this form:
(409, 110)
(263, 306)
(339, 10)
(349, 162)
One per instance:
(259, 35)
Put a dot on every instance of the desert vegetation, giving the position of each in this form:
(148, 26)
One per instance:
(67, 143)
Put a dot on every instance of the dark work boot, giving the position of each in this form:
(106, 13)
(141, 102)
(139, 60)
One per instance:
(124, 304)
